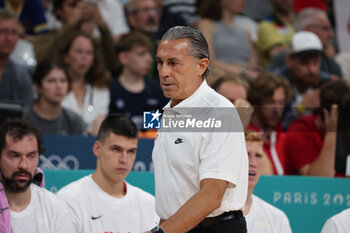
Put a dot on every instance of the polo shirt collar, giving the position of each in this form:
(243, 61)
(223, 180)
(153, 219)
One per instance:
(190, 101)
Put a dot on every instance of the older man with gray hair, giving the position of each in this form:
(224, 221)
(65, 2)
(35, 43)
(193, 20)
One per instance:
(201, 176)
(316, 21)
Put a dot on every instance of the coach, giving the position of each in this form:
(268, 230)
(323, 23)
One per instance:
(201, 177)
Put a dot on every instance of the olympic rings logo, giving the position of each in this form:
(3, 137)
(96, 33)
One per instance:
(69, 162)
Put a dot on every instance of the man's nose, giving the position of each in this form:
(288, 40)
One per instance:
(313, 69)
(163, 71)
(252, 160)
(23, 163)
(123, 157)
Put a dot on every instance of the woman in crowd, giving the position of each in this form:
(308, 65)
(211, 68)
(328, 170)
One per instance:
(51, 83)
(89, 80)
(230, 45)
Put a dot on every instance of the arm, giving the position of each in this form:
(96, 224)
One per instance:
(324, 164)
(193, 211)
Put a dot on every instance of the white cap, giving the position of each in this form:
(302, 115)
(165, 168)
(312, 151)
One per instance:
(305, 41)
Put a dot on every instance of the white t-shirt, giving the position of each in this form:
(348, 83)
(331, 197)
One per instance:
(339, 223)
(180, 166)
(265, 218)
(98, 98)
(96, 211)
(45, 213)
(113, 13)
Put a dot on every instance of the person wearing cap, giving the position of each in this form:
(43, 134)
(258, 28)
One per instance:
(316, 21)
(302, 70)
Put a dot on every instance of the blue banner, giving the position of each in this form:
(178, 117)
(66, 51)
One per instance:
(75, 152)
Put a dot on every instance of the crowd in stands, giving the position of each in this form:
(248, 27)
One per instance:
(276, 63)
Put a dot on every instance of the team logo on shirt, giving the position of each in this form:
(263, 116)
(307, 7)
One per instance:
(151, 120)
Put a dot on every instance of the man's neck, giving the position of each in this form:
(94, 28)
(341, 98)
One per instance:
(115, 189)
(132, 82)
(46, 110)
(302, 86)
(18, 201)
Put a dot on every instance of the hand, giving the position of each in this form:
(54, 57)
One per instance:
(330, 118)
(245, 111)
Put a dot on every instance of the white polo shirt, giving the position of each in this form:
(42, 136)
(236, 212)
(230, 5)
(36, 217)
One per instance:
(266, 218)
(339, 223)
(182, 159)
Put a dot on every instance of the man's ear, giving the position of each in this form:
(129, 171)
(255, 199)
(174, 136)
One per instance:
(202, 66)
(122, 57)
(97, 148)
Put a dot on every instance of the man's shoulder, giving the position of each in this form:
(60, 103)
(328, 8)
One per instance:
(140, 194)
(48, 198)
(304, 124)
(72, 189)
(214, 99)
(264, 205)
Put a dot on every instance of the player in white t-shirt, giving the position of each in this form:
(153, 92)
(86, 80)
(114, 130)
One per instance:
(32, 209)
(103, 201)
(261, 216)
(339, 223)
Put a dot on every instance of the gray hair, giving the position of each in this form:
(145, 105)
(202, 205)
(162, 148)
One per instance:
(199, 46)
(306, 18)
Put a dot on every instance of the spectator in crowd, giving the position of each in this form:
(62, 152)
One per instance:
(231, 47)
(89, 81)
(269, 94)
(113, 14)
(235, 90)
(75, 16)
(168, 19)
(30, 13)
(339, 223)
(51, 83)
(132, 93)
(276, 32)
(316, 21)
(186, 9)
(261, 216)
(144, 15)
(15, 81)
(311, 140)
(302, 70)
(104, 201)
(33, 209)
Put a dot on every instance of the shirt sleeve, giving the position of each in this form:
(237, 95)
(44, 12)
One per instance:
(223, 156)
